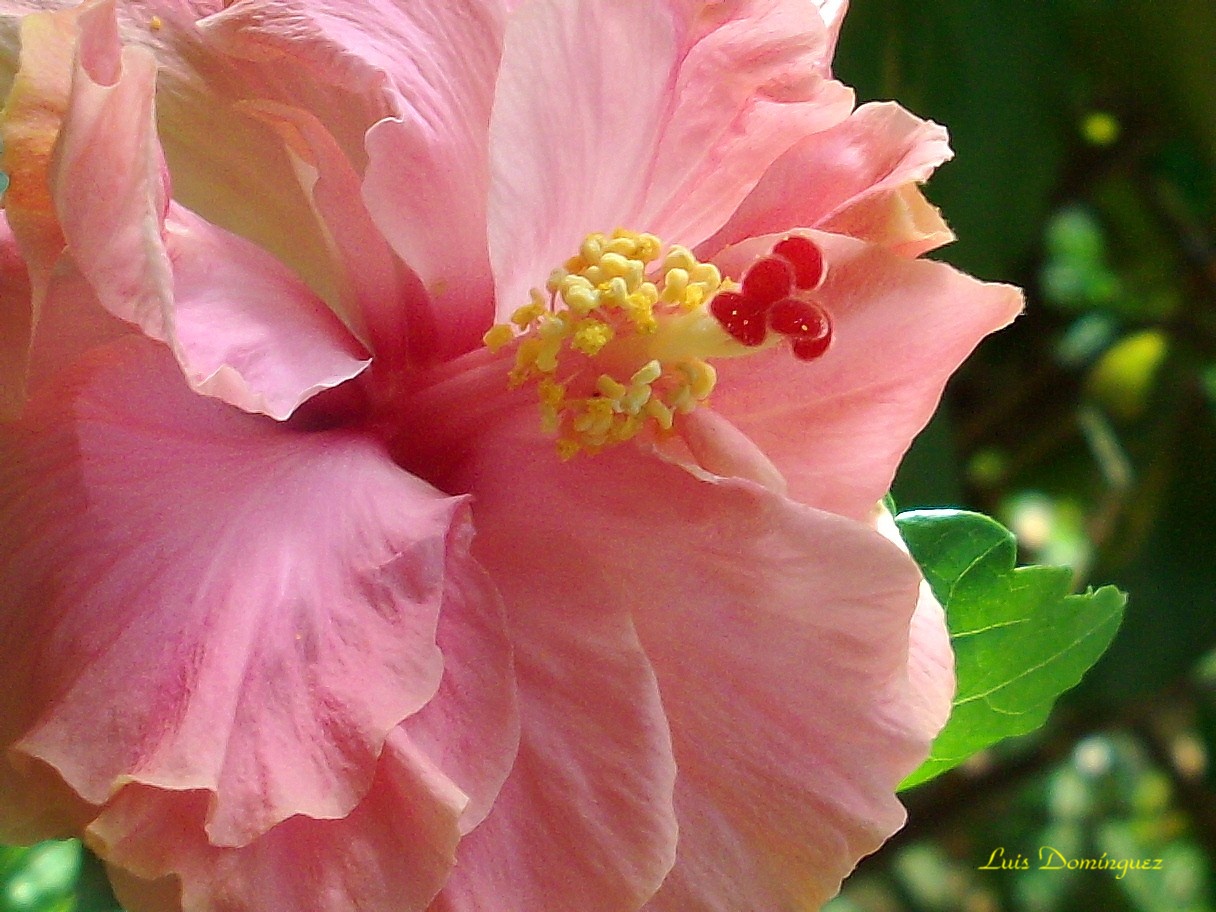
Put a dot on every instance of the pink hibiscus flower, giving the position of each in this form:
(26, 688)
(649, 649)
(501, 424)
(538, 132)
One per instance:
(312, 600)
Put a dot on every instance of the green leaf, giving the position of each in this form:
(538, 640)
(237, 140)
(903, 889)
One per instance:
(1020, 640)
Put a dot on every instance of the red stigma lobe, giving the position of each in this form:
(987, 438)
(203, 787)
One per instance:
(740, 316)
(806, 259)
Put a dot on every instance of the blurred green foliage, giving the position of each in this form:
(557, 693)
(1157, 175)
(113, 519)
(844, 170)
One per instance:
(1085, 133)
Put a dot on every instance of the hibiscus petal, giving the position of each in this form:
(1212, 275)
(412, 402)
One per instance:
(878, 150)
(71, 323)
(221, 156)
(243, 328)
(31, 238)
(470, 729)
(16, 323)
(585, 819)
(392, 853)
(779, 635)
(901, 220)
(109, 180)
(265, 599)
(837, 427)
(786, 687)
(930, 655)
(638, 114)
(832, 12)
(380, 296)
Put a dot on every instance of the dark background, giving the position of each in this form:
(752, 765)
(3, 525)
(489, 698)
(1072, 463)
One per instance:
(1085, 133)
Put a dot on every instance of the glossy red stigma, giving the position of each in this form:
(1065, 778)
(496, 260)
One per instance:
(740, 316)
(806, 259)
(806, 325)
(768, 281)
(765, 300)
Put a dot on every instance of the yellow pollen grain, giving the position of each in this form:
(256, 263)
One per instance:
(610, 387)
(660, 413)
(497, 337)
(591, 337)
(526, 314)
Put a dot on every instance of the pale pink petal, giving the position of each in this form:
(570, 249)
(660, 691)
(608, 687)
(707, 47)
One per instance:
(647, 115)
(780, 638)
(222, 156)
(113, 225)
(381, 297)
(877, 150)
(724, 130)
(392, 853)
(901, 220)
(585, 819)
(263, 597)
(470, 728)
(837, 427)
(832, 12)
(787, 688)
(71, 323)
(426, 75)
(930, 655)
(244, 328)
(428, 168)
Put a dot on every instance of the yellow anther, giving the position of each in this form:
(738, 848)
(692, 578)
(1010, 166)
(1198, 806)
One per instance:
(546, 356)
(635, 398)
(529, 312)
(614, 265)
(660, 413)
(706, 274)
(591, 249)
(552, 393)
(648, 248)
(622, 243)
(637, 310)
(615, 292)
(647, 373)
(591, 336)
(596, 419)
(701, 378)
(551, 326)
(498, 335)
(610, 387)
(675, 285)
(640, 313)
(680, 258)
